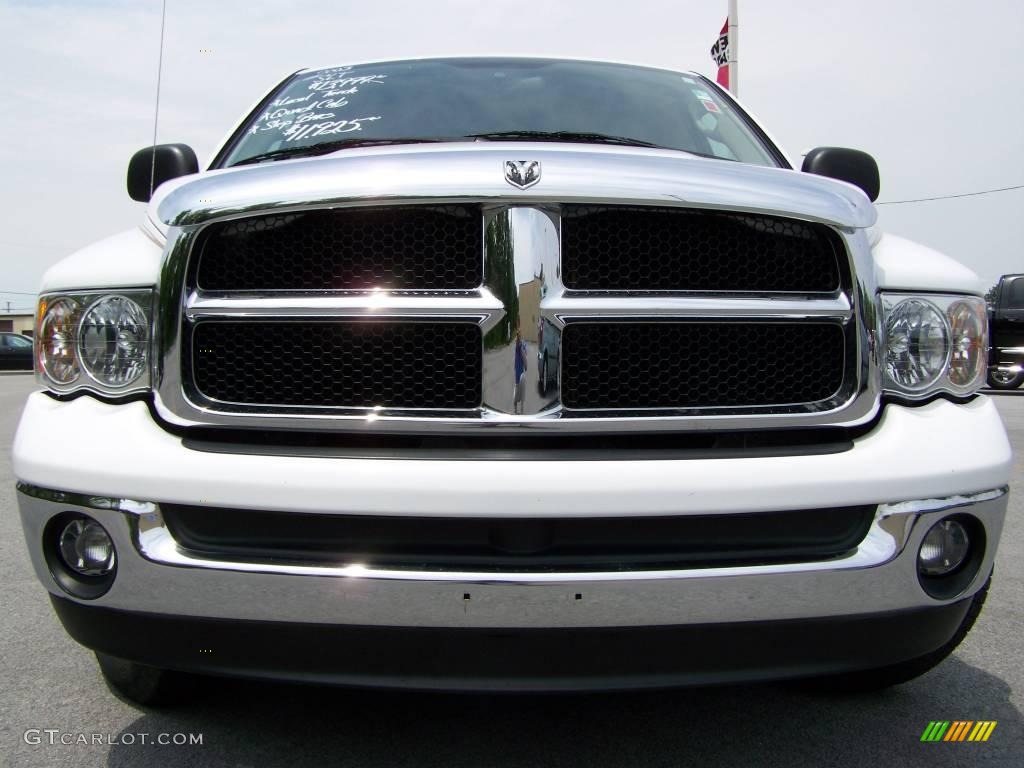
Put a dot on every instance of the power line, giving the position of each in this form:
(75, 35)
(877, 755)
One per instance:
(951, 197)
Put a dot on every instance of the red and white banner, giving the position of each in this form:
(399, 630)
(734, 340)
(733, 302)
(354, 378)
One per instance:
(720, 54)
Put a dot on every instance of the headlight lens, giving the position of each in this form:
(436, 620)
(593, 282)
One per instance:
(934, 344)
(114, 340)
(56, 340)
(105, 335)
(918, 345)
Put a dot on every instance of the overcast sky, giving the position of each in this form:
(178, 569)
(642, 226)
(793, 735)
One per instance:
(931, 89)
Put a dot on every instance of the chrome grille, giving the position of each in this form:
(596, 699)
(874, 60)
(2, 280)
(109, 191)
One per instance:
(761, 344)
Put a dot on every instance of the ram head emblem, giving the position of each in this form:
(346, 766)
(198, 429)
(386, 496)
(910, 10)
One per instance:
(522, 173)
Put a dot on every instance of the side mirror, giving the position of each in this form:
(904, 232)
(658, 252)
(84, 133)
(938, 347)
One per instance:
(172, 161)
(850, 165)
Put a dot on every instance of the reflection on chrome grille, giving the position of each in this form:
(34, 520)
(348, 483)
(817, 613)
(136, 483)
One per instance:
(637, 249)
(339, 364)
(687, 365)
(429, 248)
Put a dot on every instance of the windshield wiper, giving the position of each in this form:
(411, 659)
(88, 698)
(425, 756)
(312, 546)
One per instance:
(572, 136)
(587, 138)
(309, 150)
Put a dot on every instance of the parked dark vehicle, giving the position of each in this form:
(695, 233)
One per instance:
(548, 356)
(1006, 326)
(15, 352)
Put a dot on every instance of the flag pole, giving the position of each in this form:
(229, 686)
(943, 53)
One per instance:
(734, 47)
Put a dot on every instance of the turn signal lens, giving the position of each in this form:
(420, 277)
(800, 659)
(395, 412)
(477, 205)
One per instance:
(968, 324)
(55, 342)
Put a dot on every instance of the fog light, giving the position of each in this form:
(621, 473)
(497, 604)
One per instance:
(86, 548)
(944, 549)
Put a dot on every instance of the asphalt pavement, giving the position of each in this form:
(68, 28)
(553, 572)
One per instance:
(51, 684)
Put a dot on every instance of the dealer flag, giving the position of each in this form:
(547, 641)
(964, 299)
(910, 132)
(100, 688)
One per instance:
(720, 54)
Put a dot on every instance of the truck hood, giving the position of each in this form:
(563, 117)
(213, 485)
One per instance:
(575, 173)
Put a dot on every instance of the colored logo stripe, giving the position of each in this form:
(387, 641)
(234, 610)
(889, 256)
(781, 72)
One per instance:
(982, 730)
(958, 730)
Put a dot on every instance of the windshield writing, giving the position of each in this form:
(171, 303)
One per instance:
(453, 98)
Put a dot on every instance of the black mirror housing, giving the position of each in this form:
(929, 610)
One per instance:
(172, 161)
(850, 165)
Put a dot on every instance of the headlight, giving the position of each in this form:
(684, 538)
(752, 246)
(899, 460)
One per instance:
(113, 341)
(105, 336)
(933, 344)
(917, 347)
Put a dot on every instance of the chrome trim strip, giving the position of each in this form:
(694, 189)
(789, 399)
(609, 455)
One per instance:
(924, 506)
(569, 306)
(460, 305)
(128, 506)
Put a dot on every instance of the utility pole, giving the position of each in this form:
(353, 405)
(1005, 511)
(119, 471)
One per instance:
(734, 47)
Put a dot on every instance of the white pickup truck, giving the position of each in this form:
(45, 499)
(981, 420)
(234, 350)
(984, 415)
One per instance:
(515, 374)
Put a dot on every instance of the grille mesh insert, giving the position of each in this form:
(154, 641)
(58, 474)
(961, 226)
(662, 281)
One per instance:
(340, 364)
(638, 249)
(428, 248)
(692, 365)
(567, 543)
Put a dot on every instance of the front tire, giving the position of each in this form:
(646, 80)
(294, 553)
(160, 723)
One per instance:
(877, 679)
(138, 684)
(1002, 379)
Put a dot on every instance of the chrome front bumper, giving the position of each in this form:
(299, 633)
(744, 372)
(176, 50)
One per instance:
(155, 576)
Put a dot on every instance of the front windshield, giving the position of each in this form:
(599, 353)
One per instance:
(446, 99)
